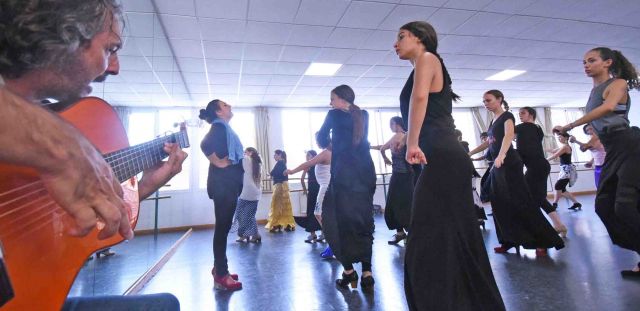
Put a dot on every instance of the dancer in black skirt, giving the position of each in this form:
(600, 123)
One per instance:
(529, 138)
(397, 210)
(347, 210)
(517, 216)
(607, 111)
(309, 189)
(446, 263)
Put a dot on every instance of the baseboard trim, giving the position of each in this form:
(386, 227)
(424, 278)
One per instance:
(185, 228)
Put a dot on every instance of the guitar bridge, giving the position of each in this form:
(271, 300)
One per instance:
(6, 290)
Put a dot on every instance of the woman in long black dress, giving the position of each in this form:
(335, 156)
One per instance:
(607, 111)
(446, 263)
(529, 138)
(222, 147)
(347, 210)
(517, 216)
(397, 209)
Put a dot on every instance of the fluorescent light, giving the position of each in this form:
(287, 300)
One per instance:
(505, 75)
(322, 69)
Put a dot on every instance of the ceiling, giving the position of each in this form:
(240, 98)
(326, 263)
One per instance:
(254, 52)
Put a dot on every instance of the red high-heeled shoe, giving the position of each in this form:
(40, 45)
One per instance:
(233, 275)
(502, 249)
(226, 283)
(542, 252)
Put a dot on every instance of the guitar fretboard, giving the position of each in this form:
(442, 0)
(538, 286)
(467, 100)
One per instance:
(130, 161)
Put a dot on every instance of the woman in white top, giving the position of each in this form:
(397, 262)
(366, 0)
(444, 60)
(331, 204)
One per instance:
(322, 165)
(248, 199)
(597, 151)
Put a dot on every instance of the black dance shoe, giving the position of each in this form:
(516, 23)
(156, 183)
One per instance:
(397, 238)
(347, 279)
(367, 282)
(631, 273)
(576, 206)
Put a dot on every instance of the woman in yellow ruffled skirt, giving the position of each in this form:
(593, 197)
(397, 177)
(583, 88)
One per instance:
(281, 212)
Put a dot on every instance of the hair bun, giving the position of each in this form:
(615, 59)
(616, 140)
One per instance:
(203, 114)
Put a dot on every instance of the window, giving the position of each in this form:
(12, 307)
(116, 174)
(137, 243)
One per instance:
(465, 123)
(243, 123)
(565, 116)
(168, 122)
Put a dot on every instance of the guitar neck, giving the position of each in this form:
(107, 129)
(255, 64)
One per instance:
(130, 161)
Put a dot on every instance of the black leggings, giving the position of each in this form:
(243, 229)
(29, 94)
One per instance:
(561, 184)
(225, 198)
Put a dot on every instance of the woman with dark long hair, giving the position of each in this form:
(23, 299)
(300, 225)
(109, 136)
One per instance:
(607, 111)
(249, 197)
(516, 215)
(281, 211)
(223, 149)
(347, 211)
(397, 210)
(529, 138)
(446, 264)
(314, 162)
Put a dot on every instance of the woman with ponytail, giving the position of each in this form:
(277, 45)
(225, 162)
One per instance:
(607, 112)
(281, 212)
(249, 197)
(347, 210)
(517, 216)
(223, 149)
(446, 264)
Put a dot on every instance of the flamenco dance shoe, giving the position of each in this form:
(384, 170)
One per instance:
(503, 249)
(226, 283)
(351, 278)
(241, 239)
(541, 252)
(320, 238)
(397, 238)
(631, 273)
(576, 207)
(105, 253)
(255, 239)
(481, 223)
(233, 275)
(327, 253)
(289, 228)
(367, 282)
(562, 231)
(311, 239)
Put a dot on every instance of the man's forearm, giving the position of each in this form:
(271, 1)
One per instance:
(33, 136)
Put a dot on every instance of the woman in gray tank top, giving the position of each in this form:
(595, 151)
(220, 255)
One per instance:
(607, 112)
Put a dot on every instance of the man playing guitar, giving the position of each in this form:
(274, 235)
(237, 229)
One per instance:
(55, 49)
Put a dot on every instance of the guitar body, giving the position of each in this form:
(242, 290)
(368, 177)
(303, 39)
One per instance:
(41, 258)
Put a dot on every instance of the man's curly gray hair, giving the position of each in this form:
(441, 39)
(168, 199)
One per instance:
(37, 34)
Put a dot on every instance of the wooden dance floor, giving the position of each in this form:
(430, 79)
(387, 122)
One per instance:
(284, 273)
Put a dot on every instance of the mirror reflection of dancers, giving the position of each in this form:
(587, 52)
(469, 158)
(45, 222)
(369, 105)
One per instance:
(598, 153)
(223, 148)
(397, 210)
(446, 263)
(517, 216)
(347, 210)
(607, 111)
(281, 211)
(529, 138)
(567, 175)
(318, 168)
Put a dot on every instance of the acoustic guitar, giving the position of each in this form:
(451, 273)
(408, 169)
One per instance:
(39, 259)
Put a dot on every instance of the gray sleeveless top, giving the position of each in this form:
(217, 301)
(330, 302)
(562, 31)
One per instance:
(616, 120)
(399, 164)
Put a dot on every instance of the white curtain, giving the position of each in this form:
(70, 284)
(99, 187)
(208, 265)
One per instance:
(549, 141)
(261, 115)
